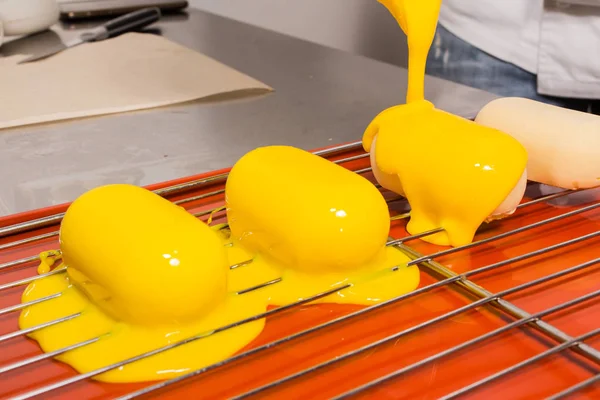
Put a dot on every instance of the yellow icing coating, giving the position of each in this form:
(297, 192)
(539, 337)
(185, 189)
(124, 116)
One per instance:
(180, 259)
(304, 211)
(47, 260)
(313, 223)
(144, 273)
(454, 172)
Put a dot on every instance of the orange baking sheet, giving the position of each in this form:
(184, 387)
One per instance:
(432, 380)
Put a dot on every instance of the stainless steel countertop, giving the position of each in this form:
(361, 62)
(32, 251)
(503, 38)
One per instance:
(322, 97)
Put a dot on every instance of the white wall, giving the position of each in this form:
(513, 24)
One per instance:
(358, 26)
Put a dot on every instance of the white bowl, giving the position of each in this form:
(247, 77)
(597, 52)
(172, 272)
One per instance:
(24, 17)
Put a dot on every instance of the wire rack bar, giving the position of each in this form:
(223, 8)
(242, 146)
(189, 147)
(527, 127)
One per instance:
(549, 197)
(362, 171)
(18, 262)
(352, 158)
(45, 356)
(37, 327)
(21, 306)
(505, 234)
(417, 236)
(28, 240)
(197, 183)
(339, 149)
(99, 371)
(29, 225)
(400, 216)
(527, 255)
(509, 308)
(199, 197)
(25, 281)
(471, 342)
(244, 291)
(576, 388)
(259, 286)
(433, 321)
(522, 364)
(60, 351)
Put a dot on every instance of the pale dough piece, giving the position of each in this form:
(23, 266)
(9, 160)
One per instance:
(563, 145)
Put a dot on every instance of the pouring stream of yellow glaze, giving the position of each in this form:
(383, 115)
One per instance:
(143, 273)
(455, 173)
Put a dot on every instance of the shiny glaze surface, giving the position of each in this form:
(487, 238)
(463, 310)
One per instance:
(428, 382)
(462, 174)
(133, 273)
(145, 273)
(455, 173)
(314, 224)
(305, 212)
(148, 240)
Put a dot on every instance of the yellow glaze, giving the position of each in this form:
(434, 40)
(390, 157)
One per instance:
(143, 273)
(370, 283)
(454, 172)
(313, 223)
(418, 19)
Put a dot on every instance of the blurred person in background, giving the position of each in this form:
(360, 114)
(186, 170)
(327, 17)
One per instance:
(545, 50)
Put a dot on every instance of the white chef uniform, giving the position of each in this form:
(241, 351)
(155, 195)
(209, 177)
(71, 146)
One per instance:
(558, 40)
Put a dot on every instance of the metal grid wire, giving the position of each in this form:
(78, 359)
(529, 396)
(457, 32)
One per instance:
(443, 277)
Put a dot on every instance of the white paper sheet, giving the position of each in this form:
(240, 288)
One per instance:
(131, 72)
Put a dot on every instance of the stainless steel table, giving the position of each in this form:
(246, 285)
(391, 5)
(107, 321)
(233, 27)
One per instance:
(322, 97)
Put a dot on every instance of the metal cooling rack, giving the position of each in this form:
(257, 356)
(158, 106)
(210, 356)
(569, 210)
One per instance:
(443, 277)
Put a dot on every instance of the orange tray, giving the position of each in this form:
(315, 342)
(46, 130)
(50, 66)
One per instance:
(462, 333)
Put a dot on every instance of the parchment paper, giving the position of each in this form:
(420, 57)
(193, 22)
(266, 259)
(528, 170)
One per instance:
(131, 72)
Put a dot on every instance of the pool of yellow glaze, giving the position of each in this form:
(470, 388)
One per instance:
(383, 278)
(121, 285)
(141, 273)
(119, 340)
